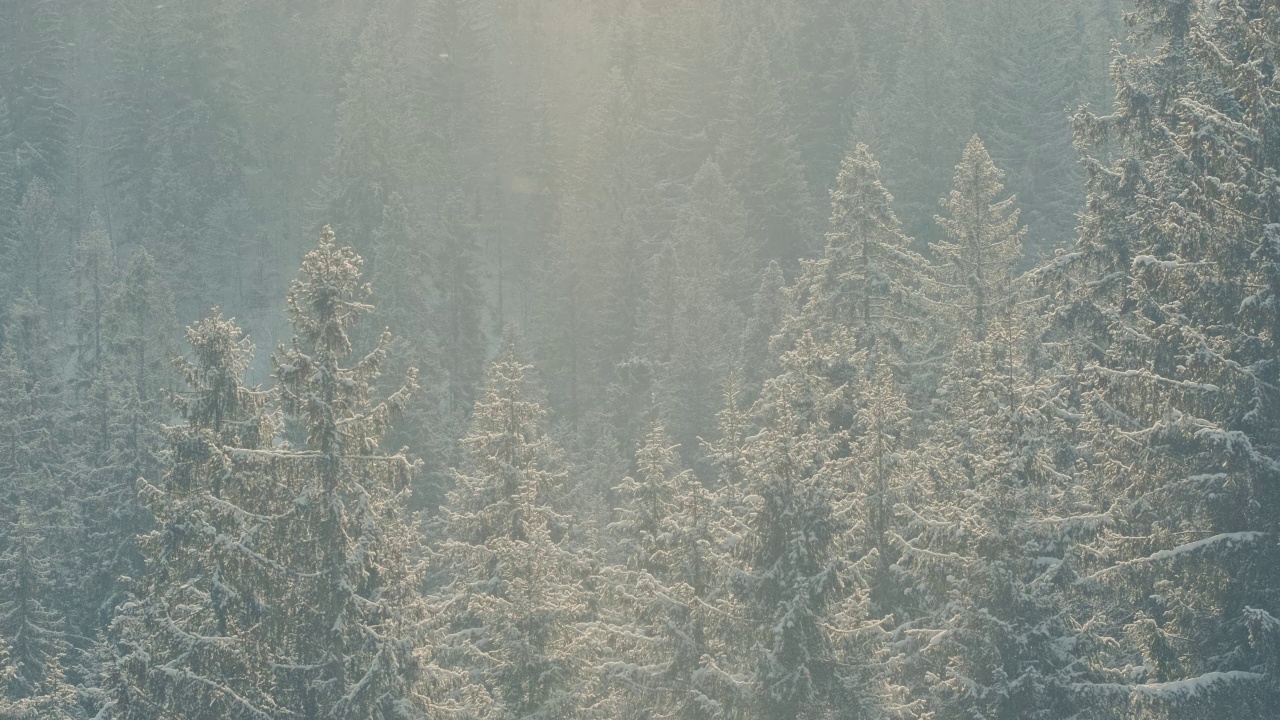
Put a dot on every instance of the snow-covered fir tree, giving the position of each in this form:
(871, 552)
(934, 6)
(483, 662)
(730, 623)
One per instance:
(35, 684)
(1169, 314)
(868, 274)
(771, 306)
(512, 593)
(987, 549)
(981, 245)
(32, 403)
(788, 573)
(670, 612)
(349, 610)
(193, 631)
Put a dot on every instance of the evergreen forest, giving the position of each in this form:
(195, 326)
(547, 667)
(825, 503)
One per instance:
(639, 359)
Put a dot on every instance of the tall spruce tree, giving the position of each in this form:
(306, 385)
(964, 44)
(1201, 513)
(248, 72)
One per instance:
(989, 546)
(1169, 317)
(670, 615)
(790, 573)
(351, 607)
(868, 274)
(194, 627)
(32, 632)
(982, 243)
(512, 592)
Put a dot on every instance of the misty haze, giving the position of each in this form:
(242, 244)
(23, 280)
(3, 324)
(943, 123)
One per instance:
(639, 359)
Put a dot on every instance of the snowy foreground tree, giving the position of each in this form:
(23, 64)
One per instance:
(513, 589)
(280, 581)
(1168, 306)
(349, 603)
(669, 612)
(789, 574)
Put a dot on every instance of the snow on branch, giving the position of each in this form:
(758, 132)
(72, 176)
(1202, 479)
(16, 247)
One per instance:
(1174, 690)
(1229, 540)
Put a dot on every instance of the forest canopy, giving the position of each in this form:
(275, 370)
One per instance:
(639, 359)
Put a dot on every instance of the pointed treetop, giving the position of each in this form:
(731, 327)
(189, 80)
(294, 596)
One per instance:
(982, 243)
(329, 298)
(860, 197)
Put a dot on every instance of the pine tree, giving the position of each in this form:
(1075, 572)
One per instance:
(175, 146)
(32, 408)
(33, 634)
(868, 275)
(828, 43)
(299, 592)
(7, 673)
(442, 320)
(379, 145)
(673, 54)
(880, 459)
(108, 514)
(983, 243)
(879, 480)
(1164, 306)
(37, 256)
(351, 608)
(194, 627)
(399, 248)
(648, 502)
(93, 271)
(33, 51)
(726, 453)
(29, 332)
(1032, 68)
(990, 552)
(456, 41)
(691, 317)
(771, 307)
(124, 330)
(142, 324)
(671, 615)
(790, 573)
(9, 183)
(463, 346)
(713, 217)
(923, 119)
(592, 284)
(511, 592)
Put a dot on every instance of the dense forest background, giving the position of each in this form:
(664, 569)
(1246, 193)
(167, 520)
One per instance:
(776, 359)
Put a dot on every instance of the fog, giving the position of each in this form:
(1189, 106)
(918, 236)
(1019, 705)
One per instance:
(639, 359)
